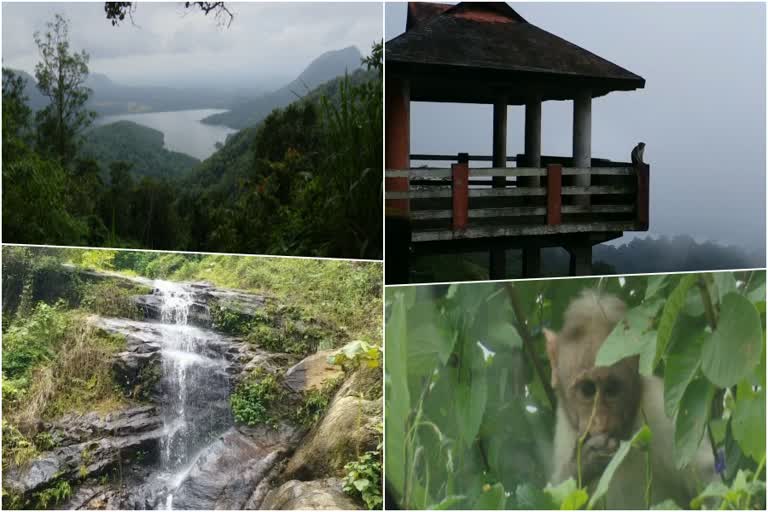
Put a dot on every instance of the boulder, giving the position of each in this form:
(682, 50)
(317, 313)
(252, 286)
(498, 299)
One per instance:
(325, 494)
(351, 426)
(228, 471)
(312, 372)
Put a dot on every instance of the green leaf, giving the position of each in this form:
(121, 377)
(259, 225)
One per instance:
(670, 313)
(713, 490)
(531, 497)
(682, 364)
(725, 282)
(655, 284)
(734, 349)
(567, 496)
(691, 420)
(361, 484)
(398, 404)
(666, 505)
(452, 502)
(748, 423)
(641, 438)
(632, 336)
(470, 401)
(492, 498)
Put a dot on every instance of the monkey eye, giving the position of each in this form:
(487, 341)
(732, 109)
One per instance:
(611, 388)
(587, 389)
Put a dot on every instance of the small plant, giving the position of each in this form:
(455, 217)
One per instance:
(363, 479)
(17, 449)
(315, 403)
(229, 321)
(53, 495)
(357, 353)
(253, 399)
(44, 441)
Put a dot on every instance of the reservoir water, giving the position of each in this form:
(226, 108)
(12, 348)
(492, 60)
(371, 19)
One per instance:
(182, 129)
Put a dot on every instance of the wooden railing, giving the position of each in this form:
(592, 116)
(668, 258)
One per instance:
(464, 202)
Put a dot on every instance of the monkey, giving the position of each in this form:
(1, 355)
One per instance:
(637, 154)
(609, 404)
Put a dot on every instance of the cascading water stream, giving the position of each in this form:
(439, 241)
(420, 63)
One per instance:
(195, 385)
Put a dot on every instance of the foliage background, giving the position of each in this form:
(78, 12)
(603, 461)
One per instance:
(469, 414)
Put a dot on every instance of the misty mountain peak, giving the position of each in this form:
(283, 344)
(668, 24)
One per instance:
(331, 64)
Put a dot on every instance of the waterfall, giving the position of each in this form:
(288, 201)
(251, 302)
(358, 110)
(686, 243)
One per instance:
(195, 384)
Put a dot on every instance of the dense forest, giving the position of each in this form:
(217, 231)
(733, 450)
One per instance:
(473, 399)
(305, 180)
(102, 349)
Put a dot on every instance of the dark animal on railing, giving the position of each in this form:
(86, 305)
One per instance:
(637, 153)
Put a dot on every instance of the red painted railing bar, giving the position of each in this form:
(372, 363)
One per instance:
(460, 185)
(554, 193)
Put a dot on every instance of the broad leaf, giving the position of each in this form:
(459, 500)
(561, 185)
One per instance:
(691, 420)
(492, 498)
(632, 336)
(734, 349)
(640, 439)
(682, 365)
(748, 423)
(669, 315)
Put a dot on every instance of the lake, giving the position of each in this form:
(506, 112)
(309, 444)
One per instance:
(182, 129)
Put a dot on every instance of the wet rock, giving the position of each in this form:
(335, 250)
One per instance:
(226, 473)
(325, 494)
(78, 461)
(73, 428)
(350, 426)
(312, 372)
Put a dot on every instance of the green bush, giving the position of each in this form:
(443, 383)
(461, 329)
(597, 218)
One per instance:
(363, 479)
(110, 298)
(253, 400)
(33, 339)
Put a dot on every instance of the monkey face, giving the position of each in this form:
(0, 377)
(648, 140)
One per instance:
(603, 400)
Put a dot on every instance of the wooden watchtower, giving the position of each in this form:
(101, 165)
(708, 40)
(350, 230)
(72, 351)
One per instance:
(486, 53)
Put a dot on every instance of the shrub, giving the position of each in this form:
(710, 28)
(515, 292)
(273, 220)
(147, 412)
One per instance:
(33, 339)
(108, 298)
(253, 400)
(363, 479)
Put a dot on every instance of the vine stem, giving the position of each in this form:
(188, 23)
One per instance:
(583, 438)
(528, 343)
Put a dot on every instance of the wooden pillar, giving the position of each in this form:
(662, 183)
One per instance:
(498, 255)
(581, 260)
(397, 143)
(582, 139)
(500, 139)
(532, 262)
(554, 193)
(532, 140)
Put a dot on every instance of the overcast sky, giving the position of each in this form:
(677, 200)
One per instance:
(266, 43)
(702, 112)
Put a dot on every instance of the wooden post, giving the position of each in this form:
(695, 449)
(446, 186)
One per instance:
(531, 262)
(497, 264)
(397, 145)
(554, 193)
(581, 260)
(460, 189)
(643, 196)
(500, 139)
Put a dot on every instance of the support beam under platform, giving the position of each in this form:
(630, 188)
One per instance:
(497, 265)
(581, 260)
(532, 262)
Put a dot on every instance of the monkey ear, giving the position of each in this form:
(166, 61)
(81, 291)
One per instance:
(551, 337)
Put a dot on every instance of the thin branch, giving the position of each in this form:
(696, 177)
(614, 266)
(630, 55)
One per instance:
(528, 343)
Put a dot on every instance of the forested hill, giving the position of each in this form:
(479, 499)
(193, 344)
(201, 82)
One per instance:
(35, 100)
(324, 68)
(140, 146)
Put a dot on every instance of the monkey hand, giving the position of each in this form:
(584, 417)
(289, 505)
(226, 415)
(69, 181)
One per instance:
(596, 453)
